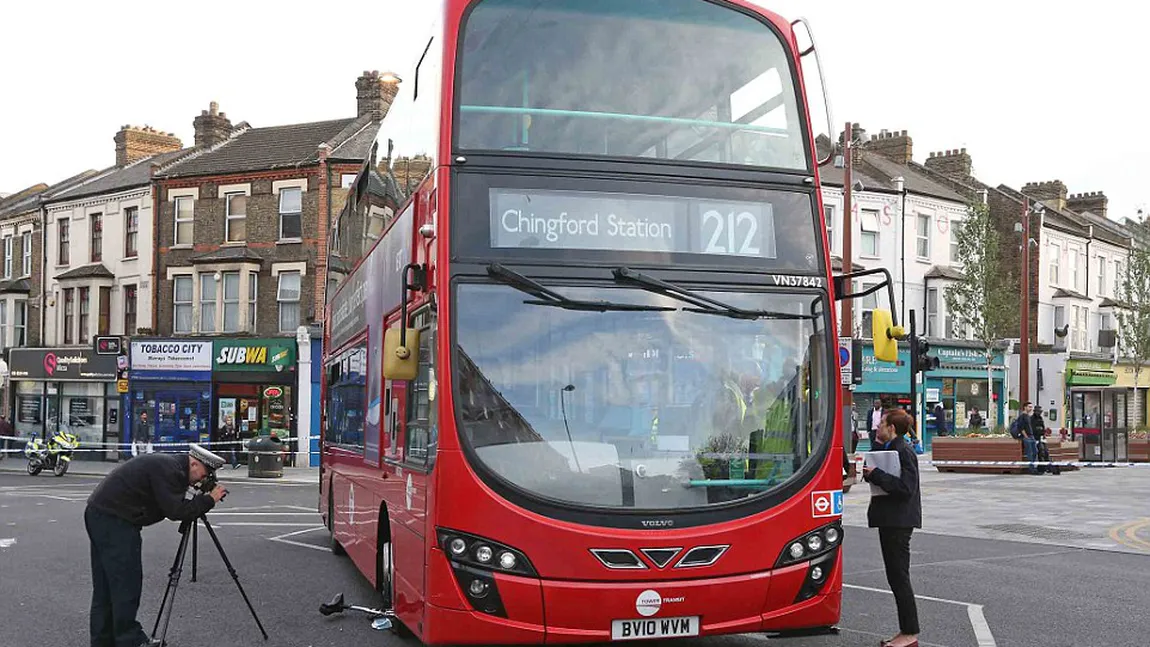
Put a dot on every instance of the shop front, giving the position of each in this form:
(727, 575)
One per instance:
(67, 389)
(170, 391)
(960, 385)
(1099, 410)
(1136, 383)
(888, 383)
(254, 382)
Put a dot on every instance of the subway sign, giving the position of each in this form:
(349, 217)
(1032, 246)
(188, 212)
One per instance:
(275, 355)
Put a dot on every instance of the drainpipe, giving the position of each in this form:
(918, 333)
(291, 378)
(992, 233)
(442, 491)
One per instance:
(43, 270)
(153, 289)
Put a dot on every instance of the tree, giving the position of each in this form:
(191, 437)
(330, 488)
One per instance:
(1134, 301)
(982, 303)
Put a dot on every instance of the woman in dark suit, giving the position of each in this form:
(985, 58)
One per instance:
(896, 515)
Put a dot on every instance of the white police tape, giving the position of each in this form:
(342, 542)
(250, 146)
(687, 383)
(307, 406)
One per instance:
(149, 447)
(950, 463)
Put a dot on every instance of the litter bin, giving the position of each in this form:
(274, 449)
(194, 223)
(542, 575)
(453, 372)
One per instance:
(265, 458)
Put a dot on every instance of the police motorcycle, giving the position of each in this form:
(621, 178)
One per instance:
(55, 455)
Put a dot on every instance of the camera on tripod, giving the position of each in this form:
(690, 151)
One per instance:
(211, 462)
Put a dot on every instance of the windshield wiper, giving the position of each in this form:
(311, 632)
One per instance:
(546, 297)
(703, 304)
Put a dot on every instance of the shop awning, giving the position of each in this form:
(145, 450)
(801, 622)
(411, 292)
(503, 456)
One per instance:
(1089, 377)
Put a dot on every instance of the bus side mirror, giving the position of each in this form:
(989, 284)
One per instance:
(400, 360)
(885, 336)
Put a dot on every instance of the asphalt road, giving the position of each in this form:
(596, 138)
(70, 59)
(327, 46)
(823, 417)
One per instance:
(1028, 593)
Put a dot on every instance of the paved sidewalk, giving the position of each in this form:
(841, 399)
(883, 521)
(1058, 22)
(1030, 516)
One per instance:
(292, 475)
(1095, 508)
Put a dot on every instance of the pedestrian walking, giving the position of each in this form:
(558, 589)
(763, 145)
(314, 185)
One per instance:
(873, 420)
(138, 493)
(142, 435)
(939, 420)
(896, 514)
(1021, 429)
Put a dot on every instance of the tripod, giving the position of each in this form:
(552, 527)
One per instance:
(189, 535)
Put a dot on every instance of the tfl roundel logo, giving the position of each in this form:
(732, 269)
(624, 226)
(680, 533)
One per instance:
(827, 503)
(50, 364)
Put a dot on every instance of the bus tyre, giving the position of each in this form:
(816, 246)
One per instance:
(385, 576)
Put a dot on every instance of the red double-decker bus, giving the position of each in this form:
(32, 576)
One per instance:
(581, 378)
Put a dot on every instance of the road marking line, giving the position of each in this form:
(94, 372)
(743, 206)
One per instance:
(1131, 539)
(8, 542)
(283, 539)
(233, 513)
(974, 611)
(264, 523)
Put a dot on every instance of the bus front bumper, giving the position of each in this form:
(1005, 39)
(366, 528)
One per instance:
(552, 611)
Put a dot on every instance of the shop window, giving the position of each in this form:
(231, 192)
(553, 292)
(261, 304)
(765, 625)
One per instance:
(347, 399)
(421, 428)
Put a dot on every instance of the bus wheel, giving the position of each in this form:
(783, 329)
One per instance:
(336, 547)
(386, 574)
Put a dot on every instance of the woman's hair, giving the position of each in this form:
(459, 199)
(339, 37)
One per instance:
(900, 420)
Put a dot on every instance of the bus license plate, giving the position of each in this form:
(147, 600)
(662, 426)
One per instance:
(654, 628)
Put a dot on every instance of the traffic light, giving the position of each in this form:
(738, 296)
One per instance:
(920, 357)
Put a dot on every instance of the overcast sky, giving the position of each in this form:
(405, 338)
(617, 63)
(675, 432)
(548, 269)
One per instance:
(1033, 90)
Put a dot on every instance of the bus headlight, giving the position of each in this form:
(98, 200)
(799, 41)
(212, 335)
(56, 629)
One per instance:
(812, 545)
(482, 553)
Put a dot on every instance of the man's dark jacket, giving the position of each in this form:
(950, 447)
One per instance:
(148, 488)
(901, 507)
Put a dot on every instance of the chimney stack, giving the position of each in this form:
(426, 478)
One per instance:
(1053, 191)
(212, 126)
(133, 143)
(1095, 202)
(896, 147)
(953, 164)
(374, 94)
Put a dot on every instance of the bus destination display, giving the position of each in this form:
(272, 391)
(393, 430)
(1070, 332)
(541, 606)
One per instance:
(631, 222)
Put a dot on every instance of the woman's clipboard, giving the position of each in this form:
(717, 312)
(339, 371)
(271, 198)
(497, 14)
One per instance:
(886, 461)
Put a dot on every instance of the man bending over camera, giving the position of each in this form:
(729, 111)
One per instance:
(139, 493)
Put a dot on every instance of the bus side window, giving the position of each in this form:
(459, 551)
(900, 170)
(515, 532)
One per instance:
(420, 420)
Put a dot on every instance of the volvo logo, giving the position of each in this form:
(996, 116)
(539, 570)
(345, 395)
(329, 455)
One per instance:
(657, 523)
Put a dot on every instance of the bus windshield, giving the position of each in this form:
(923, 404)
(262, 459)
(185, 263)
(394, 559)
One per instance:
(665, 408)
(685, 80)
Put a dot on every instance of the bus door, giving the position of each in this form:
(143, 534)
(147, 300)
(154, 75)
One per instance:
(412, 439)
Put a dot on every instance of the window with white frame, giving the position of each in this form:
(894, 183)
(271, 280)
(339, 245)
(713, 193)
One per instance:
(1102, 276)
(932, 312)
(20, 323)
(288, 297)
(96, 230)
(236, 213)
(208, 302)
(3, 324)
(1055, 262)
(27, 250)
(231, 301)
(922, 235)
(131, 231)
(867, 306)
(63, 239)
(85, 294)
(1105, 321)
(291, 208)
(829, 217)
(253, 285)
(184, 209)
(1073, 254)
(69, 315)
(377, 220)
(130, 307)
(1078, 328)
(346, 180)
(8, 253)
(955, 225)
(869, 225)
(182, 293)
(1119, 277)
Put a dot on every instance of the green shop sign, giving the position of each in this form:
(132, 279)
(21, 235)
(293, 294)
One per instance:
(1086, 372)
(273, 355)
(958, 356)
